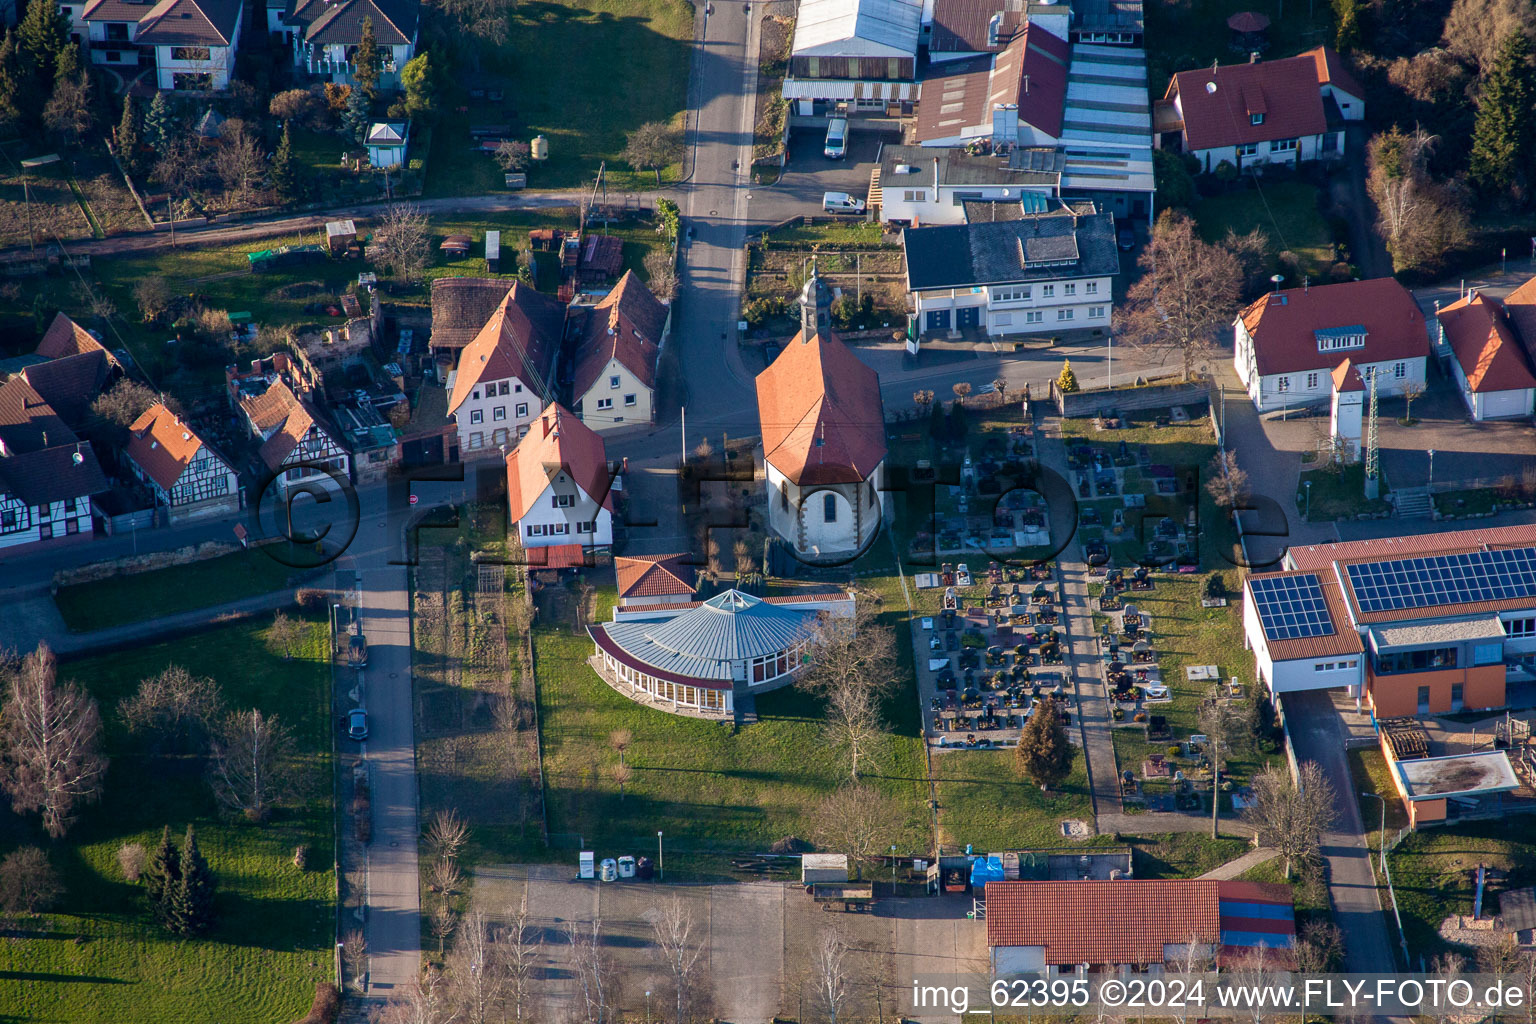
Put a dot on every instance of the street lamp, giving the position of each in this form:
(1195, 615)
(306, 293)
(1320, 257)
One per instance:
(1308, 486)
(1391, 894)
(1431, 467)
(1275, 279)
(647, 1006)
(893, 869)
(661, 864)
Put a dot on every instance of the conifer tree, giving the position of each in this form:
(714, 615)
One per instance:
(365, 61)
(43, 32)
(163, 875)
(1502, 133)
(1067, 382)
(355, 119)
(127, 135)
(11, 86)
(1044, 752)
(68, 65)
(191, 903)
(285, 176)
(157, 123)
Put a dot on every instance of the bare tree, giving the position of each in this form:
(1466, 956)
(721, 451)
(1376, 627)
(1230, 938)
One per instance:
(672, 929)
(426, 1001)
(445, 876)
(1196, 956)
(1412, 392)
(68, 113)
(153, 296)
(447, 834)
(661, 274)
(1000, 388)
(1417, 217)
(655, 145)
(443, 921)
(1187, 293)
(517, 950)
(1318, 947)
(513, 154)
(51, 759)
(1227, 483)
(830, 973)
(180, 166)
(354, 953)
(173, 709)
(1474, 29)
(594, 971)
(486, 20)
(1227, 725)
(860, 821)
(239, 163)
(400, 243)
(852, 668)
(962, 390)
(116, 409)
(251, 758)
(474, 969)
(621, 773)
(28, 883)
(1290, 818)
(286, 635)
(130, 860)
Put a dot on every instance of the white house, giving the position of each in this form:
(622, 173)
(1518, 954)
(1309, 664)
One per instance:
(1263, 112)
(927, 186)
(506, 374)
(558, 485)
(1287, 343)
(616, 354)
(1487, 359)
(295, 444)
(1038, 273)
(47, 474)
(386, 142)
(853, 56)
(185, 475)
(823, 430)
(195, 42)
(324, 35)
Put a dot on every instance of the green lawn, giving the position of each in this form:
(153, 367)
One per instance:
(633, 69)
(1338, 495)
(1435, 874)
(1369, 772)
(985, 801)
(713, 788)
(1183, 854)
(840, 232)
(150, 595)
(1194, 33)
(1287, 213)
(100, 957)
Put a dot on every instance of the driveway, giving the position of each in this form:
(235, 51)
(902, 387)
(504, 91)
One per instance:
(808, 174)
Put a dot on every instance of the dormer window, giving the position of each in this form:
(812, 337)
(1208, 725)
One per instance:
(1255, 119)
(1339, 339)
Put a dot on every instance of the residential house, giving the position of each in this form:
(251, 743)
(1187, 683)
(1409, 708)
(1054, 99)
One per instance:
(701, 658)
(184, 474)
(47, 474)
(927, 186)
(65, 337)
(656, 579)
(1264, 112)
(194, 42)
(1488, 361)
(71, 383)
(823, 430)
(386, 142)
(1288, 342)
(506, 374)
(558, 489)
(616, 354)
(296, 442)
(853, 56)
(1037, 273)
(324, 35)
(461, 306)
(1136, 925)
(1417, 624)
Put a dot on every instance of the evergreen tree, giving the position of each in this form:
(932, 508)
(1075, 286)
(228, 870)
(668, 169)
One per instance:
(357, 117)
(957, 421)
(157, 123)
(127, 135)
(285, 172)
(1044, 753)
(10, 80)
(420, 84)
(936, 426)
(163, 875)
(365, 62)
(43, 32)
(1501, 135)
(191, 903)
(68, 65)
(1067, 382)
(1347, 29)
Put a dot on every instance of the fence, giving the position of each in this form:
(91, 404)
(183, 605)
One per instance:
(1290, 748)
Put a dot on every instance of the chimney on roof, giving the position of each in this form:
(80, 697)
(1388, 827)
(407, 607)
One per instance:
(1026, 85)
(936, 181)
(1306, 285)
(1253, 56)
(995, 29)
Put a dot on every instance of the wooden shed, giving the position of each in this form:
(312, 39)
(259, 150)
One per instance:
(493, 251)
(823, 867)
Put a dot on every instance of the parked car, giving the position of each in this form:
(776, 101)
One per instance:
(841, 202)
(357, 651)
(836, 146)
(1125, 238)
(357, 725)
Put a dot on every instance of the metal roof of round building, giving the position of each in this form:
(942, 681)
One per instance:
(703, 641)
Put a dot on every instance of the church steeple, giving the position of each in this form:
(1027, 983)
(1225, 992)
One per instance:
(815, 308)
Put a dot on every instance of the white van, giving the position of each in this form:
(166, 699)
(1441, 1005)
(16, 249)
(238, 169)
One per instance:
(841, 202)
(837, 139)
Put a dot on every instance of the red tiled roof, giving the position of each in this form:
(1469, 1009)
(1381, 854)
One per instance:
(1032, 72)
(1485, 345)
(1413, 545)
(1343, 640)
(625, 326)
(822, 418)
(1124, 921)
(71, 383)
(1520, 307)
(1284, 91)
(519, 340)
(556, 556)
(162, 445)
(1331, 70)
(1282, 325)
(64, 337)
(557, 442)
(654, 575)
(1345, 379)
(960, 26)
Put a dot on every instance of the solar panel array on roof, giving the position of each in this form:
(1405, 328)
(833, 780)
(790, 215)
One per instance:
(1291, 606)
(1464, 578)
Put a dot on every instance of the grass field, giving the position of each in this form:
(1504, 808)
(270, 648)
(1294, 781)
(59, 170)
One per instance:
(1193, 33)
(713, 788)
(151, 595)
(99, 957)
(1435, 873)
(985, 801)
(1338, 495)
(634, 58)
(1370, 774)
(1286, 211)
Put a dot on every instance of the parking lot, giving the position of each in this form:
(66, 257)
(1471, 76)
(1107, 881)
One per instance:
(809, 174)
(756, 936)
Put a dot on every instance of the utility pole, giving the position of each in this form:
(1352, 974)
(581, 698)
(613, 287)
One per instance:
(26, 193)
(1372, 456)
(170, 214)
